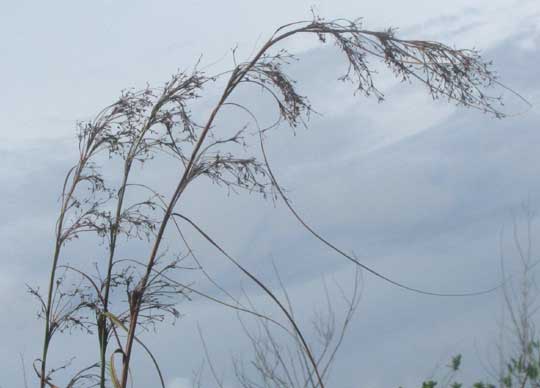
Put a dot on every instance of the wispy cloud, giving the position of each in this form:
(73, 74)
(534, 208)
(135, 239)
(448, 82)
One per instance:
(417, 189)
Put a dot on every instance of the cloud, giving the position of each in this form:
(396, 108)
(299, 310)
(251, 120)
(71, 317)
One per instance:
(179, 382)
(418, 190)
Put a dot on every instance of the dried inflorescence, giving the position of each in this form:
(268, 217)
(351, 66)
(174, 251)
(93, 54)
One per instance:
(157, 122)
(460, 75)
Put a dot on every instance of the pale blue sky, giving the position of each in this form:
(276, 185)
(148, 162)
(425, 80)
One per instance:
(418, 189)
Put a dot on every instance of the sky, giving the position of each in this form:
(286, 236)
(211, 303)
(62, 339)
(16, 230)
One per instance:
(419, 190)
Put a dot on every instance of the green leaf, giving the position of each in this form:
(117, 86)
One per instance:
(114, 319)
(532, 371)
(456, 362)
(429, 384)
